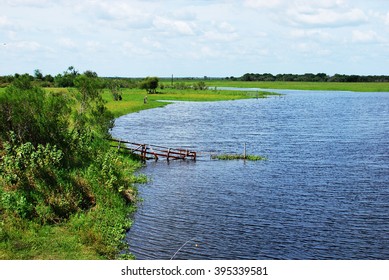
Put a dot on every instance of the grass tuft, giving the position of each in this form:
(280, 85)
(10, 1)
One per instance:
(237, 157)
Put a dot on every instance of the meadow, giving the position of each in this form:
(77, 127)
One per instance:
(133, 99)
(333, 86)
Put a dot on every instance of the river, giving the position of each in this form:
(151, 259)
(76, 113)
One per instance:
(322, 193)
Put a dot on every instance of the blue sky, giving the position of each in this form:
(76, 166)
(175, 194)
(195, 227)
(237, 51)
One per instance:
(195, 38)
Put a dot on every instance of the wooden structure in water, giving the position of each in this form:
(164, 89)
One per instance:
(146, 151)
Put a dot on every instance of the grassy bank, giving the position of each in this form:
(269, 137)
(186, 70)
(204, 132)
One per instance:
(64, 193)
(133, 99)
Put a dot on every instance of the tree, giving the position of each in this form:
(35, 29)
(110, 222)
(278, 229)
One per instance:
(38, 74)
(67, 78)
(150, 84)
(23, 82)
(33, 115)
(200, 85)
(114, 87)
(90, 74)
(92, 115)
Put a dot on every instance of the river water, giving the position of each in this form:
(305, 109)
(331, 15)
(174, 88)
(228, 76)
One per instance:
(323, 193)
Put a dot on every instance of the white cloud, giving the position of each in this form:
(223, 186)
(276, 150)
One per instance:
(323, 17)
(321, 4)
(221, 31)
(217, 36)
(130, 49)
(117, 14)
(29, 46)
(172, 26)
(243, 35)
(369, 36)
(93, 46)
(260, 4)
(30, 3)
(314, 34)
(67, 43)
(311, 49)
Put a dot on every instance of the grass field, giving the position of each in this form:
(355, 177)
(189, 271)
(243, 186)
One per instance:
(133, 99)
(358, 87)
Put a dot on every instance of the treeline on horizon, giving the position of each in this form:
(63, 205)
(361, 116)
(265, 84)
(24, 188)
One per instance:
(66, 79)
(310, 77)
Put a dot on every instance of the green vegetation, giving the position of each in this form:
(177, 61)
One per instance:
(237, 157)
(150, 84)
(133, 99)
(64, 193)
(335, 86)
(310, 77)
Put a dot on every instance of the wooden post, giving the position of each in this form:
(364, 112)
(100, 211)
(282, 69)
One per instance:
(244, 151)
(144, 151)
(168, 153)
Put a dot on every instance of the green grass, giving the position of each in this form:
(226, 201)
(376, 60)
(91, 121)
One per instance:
(89, 235)
(28, 241)
(358, 87)
(133, 99)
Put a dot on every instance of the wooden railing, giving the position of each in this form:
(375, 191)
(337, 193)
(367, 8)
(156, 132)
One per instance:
(146, 151)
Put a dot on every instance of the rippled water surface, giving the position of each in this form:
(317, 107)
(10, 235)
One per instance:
(323, 193)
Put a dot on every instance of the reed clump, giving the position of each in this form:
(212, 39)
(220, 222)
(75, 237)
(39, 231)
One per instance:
(238, 157)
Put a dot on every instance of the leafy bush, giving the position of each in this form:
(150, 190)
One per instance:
(35, 187)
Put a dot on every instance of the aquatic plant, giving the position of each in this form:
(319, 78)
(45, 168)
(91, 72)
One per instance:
(237, 157)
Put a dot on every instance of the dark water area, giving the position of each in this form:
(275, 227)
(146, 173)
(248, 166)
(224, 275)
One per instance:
(322, 194)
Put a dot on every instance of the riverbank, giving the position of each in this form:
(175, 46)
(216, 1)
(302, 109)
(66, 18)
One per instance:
(64, 195)
(133, 99)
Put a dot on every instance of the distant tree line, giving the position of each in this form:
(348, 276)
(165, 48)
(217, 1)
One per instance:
(150, 84)
(113, 84)
(67, 79)
(310, 77)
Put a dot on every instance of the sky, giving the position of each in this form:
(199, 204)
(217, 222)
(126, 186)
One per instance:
(131, 38)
